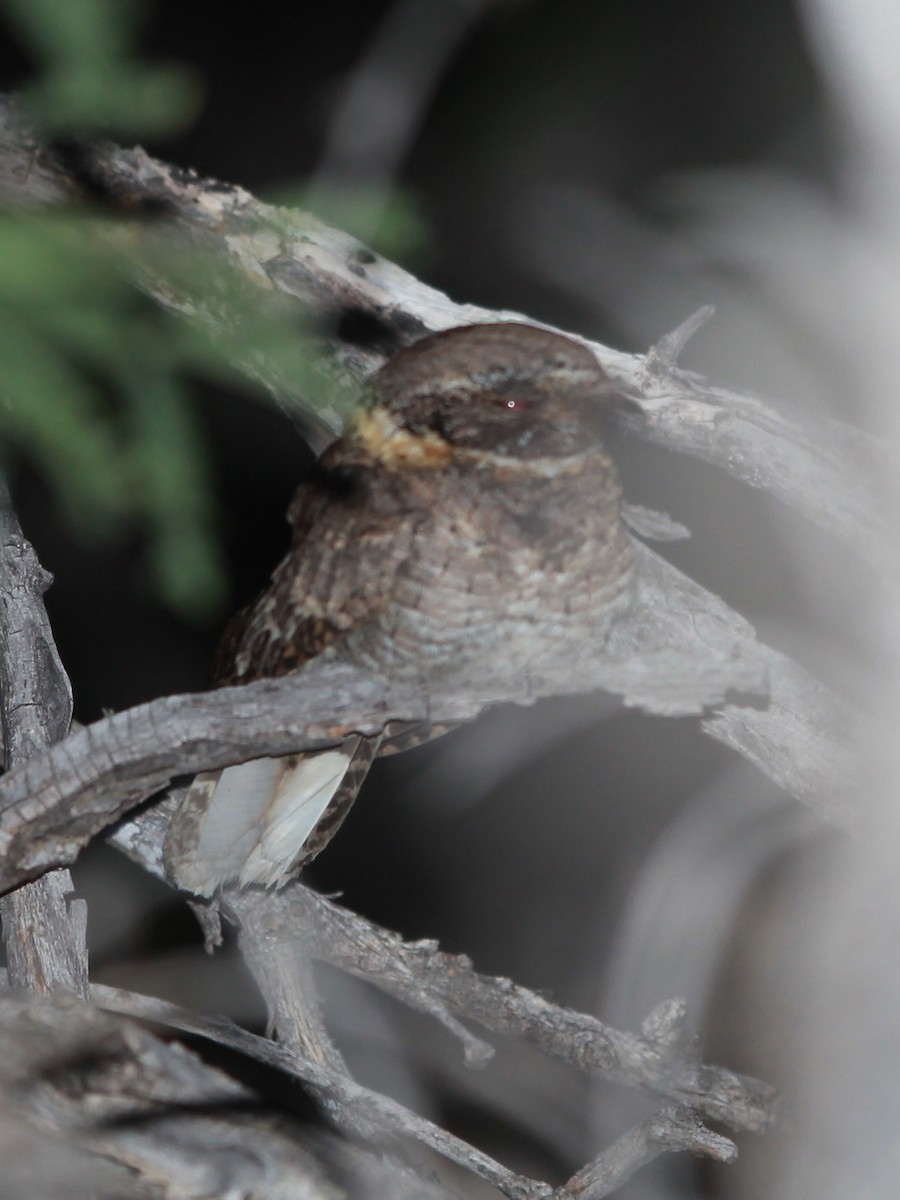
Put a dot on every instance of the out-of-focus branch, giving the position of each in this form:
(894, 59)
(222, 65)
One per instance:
(349, 1104)
(670, 1129)
(103, 1088)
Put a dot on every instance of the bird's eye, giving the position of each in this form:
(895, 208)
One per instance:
(515, 405)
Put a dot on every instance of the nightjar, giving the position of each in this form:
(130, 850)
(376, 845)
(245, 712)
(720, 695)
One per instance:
(467, 524)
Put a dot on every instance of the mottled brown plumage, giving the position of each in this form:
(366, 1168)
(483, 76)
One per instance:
(466, 526)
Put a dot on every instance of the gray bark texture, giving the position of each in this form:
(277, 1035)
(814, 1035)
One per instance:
(122, 1099)
(44, 929)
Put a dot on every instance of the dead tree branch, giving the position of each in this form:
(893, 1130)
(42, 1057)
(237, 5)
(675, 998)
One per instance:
(102, 1088)
(349, 1104)
(681, 650)
(663, 1061)
(144, 1072)
(670, 1129)
(287, 255)
(44, 929)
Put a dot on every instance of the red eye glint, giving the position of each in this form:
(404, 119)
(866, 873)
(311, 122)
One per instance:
(515, 405)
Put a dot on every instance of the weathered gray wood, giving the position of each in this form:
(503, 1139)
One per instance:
(683, 652)
(823, 472)
(44, 928)
(667, 1130)
(45, 934)
(283, 970)
(36, 695)
(663, 1060)
(680, 651)
(349, 1102)
(119, 1092)
(670, 1129)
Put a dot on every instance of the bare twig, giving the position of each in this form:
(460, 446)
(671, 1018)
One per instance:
(670, 1129)
(665, 354)
(663, 1060)
(350, 1104)
(283, 972)
(293, 925)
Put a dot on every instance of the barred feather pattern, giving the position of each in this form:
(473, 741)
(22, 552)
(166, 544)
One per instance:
(416, 562)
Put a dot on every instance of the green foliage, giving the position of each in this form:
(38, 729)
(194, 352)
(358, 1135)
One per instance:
(87, 82)
(93, 375)
(93, 385)
(388, 219)
(93, 390)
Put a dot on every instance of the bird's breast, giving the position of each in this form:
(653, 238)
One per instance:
(499, 581)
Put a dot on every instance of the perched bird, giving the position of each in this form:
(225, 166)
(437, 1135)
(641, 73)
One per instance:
(467, 525)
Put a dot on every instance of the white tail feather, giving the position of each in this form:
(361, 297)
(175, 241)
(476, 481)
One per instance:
(303, 793)
(257, 818)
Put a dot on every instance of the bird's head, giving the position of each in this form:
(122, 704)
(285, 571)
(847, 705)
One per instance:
(507, 390)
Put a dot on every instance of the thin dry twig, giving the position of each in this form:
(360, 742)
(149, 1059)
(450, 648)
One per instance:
(664, 1060)
(670, 1129)
(351, 1105)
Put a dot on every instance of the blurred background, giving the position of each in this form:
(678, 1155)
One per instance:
(608, 167)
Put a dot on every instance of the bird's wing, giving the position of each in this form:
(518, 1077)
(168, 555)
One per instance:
(353, 531)
(260, 821)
